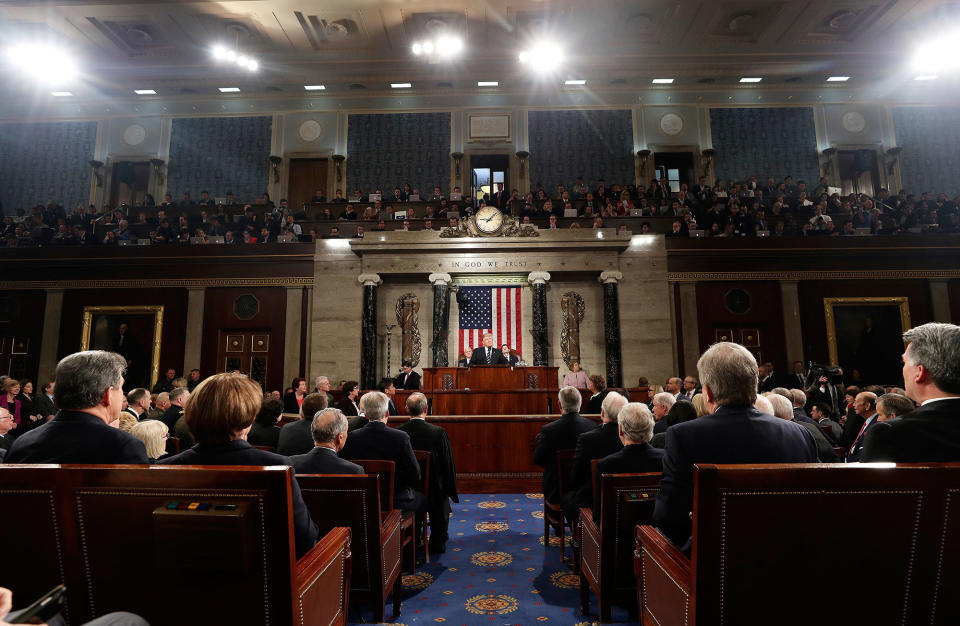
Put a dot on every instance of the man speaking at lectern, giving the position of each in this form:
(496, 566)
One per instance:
(487, 354)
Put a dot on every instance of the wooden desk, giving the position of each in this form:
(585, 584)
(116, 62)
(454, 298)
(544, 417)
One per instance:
(489, 377)
(475, 401)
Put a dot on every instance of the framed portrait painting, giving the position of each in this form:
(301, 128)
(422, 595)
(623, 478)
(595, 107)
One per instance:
(134, 332)
(865, 337)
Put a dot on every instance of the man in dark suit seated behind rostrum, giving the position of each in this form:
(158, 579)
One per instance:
(732, 432)
(635, 428)
(443, 470)
(90, 396)
(296, 437)
(931, 375)
(559, 435)
(593, 444)
(377, 441)
(329, 432)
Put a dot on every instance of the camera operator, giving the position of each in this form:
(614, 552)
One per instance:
(820, 219)
(825, 385)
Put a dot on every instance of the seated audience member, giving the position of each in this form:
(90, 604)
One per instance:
(891, 406)
(635, 428)
(328, 430)
(443, 470)
(679, 413)
(576, 377)
(690, 388)
(193, 379)
(387, 386)
(138, 403)
(798, 400)
(865, 405)
(220, 414)
(783, 409)
(90, 397)
(165, 383)
(512, 359)
(733, 432)
(596, 385)
(408, 379)
(6, 426)
(698, 405)
(820, 413)
(662, 403)
(265, 431)
(375, 441)
(296, 437)
(350, 391)
(178, 399)
(293, 400)
(161, 403)
(465, 361)
(153, 434)
(322, 385)
(593, 444)
(558, 435)
(931, 375)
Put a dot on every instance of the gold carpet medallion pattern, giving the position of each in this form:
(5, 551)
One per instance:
(491, 527)
(492, 604)
(537, 514)
(564, 580)
(417, 580)
(491, 504)
(491, 559)
(555, 541)
(534, 496)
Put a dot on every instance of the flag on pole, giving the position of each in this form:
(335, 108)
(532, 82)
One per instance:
(491, 310)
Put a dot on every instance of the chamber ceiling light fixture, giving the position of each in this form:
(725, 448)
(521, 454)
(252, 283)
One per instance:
(488, 83)
(444, 47)
(401, 85)
(838, 79)
(228, 89)
(578, 81)
(43, 64)
(543, 56)
(314, 87)
(226, 55)
(662, 81)
(145, 92)
(750, 79)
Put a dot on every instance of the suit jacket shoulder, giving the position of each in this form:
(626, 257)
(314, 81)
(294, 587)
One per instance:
(322, 461)
(928, 434)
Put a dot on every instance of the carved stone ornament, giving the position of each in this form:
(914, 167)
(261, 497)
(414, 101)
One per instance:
(509, 226)
(408, 305)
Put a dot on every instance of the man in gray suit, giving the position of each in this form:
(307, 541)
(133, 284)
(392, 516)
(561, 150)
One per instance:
(329, 430)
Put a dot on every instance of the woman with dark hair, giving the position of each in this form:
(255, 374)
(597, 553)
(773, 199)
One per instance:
(351, 391)
(264, 431)
(10, 400)
(220, 413)
(29, 420)
(294, 398)
(597, 385)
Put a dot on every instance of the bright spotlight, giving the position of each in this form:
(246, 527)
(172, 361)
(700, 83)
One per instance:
(428, 47)
(936, 56)
(219, 53)
(43, 64)
(417, 48)
(524, 56)
(543, 56)
(230, 55)
(253, 65)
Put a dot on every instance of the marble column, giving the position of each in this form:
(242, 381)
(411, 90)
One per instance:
(193, 331)
(441, 318)
(50, 339)
(538, 282)
(792, 331)
(368, 331)
(611, 327)
(292, 336)
(940, 299)
(691, 328)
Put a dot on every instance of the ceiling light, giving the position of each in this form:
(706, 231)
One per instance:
(662, 81)
(927, 77)
(44, 64)
(219, 52)
(314, 87)
(417, 48)
(61, 94)
(253, 65)
(228, 89)
(488, 83)
(543, 56)
(750, 80)
(575, 82)
(401, 85)
(145, 92)
(838, 79)
(936, 56)
(230, 55)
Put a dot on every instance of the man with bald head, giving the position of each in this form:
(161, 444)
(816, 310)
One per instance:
(865, 405)
(329, 431)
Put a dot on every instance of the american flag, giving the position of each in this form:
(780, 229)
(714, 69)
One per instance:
(491, 310)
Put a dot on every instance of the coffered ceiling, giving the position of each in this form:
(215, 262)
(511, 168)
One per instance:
(359, 47)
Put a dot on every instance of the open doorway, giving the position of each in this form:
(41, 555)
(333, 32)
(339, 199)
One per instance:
(859, 172)
(487, 172)
(676, 167)
(129, 183)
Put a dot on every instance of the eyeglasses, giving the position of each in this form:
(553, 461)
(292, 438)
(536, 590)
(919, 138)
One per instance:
(6, 417)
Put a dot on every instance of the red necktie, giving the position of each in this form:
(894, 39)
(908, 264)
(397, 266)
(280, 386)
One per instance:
(862, 428)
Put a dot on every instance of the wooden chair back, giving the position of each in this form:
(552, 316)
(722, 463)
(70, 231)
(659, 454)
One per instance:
(130, 538)
(385, 470)
(423, 460)
(564, 468)
(173, 445)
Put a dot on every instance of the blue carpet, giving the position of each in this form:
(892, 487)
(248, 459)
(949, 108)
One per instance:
(496, 570)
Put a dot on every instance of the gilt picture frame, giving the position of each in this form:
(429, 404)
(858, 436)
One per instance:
(865, 336)
(141, 341)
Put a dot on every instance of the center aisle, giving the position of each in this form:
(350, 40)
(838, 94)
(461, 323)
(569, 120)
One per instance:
(495, 571)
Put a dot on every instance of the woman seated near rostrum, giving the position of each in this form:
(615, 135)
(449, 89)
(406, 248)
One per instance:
(153, 434)
(596, 385)
(220, 413)
(576, 377)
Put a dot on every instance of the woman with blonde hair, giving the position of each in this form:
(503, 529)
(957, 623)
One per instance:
(153, 434)
(699, 405)
(219, 413)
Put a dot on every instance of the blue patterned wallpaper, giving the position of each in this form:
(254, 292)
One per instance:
(762, 142)
(45, 161)
(390, 150)
(592, 144)
(219, 154)
(930, 137)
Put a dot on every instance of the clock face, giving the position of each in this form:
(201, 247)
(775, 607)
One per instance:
(488, 220)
